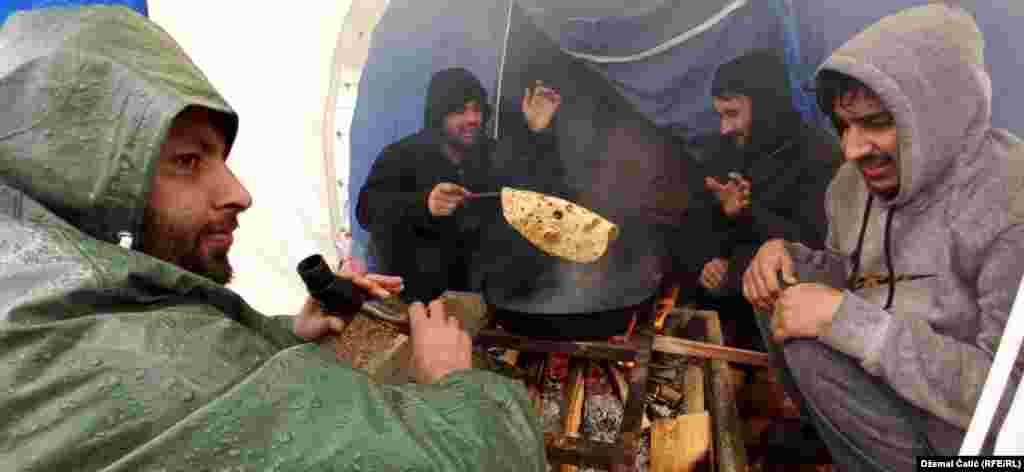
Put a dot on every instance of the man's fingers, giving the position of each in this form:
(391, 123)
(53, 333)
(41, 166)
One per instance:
(453, 322)
(437, 311)
(716, 279)
(370, 286)
(746, 287)
(719, 267)
(337, 326)
(385, 280)
(788, 272)
(452, 189)
(713, 184)
(761, 288)
(417, 315)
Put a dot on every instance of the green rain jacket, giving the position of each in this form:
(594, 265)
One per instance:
(111, 360)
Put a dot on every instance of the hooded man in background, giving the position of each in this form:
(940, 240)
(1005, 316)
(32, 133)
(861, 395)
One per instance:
(415, 202)
(889, 333)
(120, 347)
(766, 180)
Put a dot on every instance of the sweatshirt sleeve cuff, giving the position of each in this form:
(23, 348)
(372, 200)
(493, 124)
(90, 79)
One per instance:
(858, 328)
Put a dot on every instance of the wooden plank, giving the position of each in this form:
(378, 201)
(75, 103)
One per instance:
(618, 381)
(681, 444)
(572, 417)
(693, 384)
(730, 450)
(686, 347)
(535, 384)
(590, 350)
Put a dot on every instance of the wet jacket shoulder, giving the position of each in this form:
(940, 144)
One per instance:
(113, 360)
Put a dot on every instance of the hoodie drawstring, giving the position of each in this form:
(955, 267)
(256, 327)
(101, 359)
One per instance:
(888, 253)
(860, 241)
(888, 260)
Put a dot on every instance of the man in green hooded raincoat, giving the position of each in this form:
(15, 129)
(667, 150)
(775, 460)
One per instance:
(120, 347)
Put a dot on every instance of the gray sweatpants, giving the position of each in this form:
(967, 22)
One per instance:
(866, 425)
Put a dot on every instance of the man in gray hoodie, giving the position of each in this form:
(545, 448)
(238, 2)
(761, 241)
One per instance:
(890, 346)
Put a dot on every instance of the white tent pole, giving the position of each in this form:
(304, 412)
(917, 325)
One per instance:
(501, 68)
(998, 377)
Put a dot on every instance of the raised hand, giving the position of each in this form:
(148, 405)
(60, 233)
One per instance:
(734, 195)
(713, 274)
(539, 105)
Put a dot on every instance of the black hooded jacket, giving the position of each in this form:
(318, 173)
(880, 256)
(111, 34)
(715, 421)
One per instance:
(434, 254)
(790, 164)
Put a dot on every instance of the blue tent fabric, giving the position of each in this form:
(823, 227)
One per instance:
(670, 89)
(7, 7)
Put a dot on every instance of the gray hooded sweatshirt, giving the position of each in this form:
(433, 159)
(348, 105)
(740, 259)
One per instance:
(957, 221)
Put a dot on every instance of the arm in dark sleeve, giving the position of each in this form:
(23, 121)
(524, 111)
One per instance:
(703, 236)
(807, 222)
(390, 196)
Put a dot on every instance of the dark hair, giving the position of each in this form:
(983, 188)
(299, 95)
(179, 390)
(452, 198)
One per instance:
(830, 85)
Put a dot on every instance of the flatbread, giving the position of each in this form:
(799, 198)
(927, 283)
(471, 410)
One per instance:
(556, 226)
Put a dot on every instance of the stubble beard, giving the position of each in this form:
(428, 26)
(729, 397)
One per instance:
(178, 245)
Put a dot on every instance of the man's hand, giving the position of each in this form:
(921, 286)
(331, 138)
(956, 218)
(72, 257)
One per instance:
(539, 106)
(734, 195)
(445, 198)
(804, 311)
(761, 282)
(439, 344)
(713, 275)
(313, 323)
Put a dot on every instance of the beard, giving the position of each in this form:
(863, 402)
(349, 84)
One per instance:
(458, 143)
(178, 244)
(738, 140)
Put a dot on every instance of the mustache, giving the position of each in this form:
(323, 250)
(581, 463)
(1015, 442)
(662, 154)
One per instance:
(226, 225)
(875, 159)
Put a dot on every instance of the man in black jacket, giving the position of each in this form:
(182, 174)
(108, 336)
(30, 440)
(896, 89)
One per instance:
(417, 201)
(767, 178)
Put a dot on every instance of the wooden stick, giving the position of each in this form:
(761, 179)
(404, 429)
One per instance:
(535, 384)
(681, 444)
(694, 386)
(686, 347)
(618, 381)
(573, 416)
